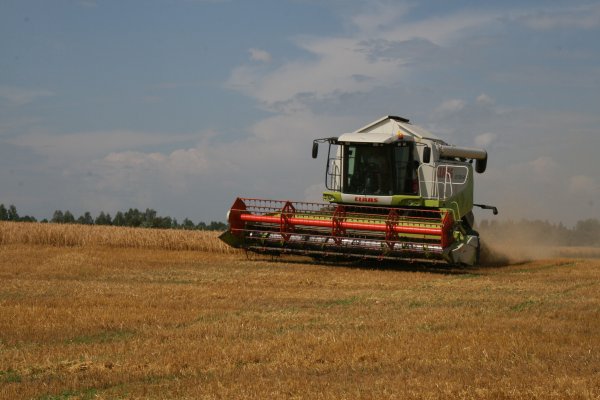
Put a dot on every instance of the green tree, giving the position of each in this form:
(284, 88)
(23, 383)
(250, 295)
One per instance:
(217, 226)
(103, 219)
(68, 218)
(187, 224)
(150, 220)
(201, 226)
(162, 222)
(133, 217)
(58, 217)
(86, 219)
(27, 218)
(13, 215)
(3, 213)
(119, 219)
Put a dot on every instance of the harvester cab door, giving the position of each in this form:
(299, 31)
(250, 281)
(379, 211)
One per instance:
(405, 170)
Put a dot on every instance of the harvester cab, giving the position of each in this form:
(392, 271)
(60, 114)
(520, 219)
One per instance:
(394, 191)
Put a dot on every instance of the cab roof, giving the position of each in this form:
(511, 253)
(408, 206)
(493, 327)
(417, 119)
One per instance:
(388, 129)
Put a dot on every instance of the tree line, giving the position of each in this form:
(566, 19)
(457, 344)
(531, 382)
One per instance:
(132, 218)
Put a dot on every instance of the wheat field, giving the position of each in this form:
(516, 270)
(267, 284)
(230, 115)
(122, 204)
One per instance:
(73, 235)
(99, 320)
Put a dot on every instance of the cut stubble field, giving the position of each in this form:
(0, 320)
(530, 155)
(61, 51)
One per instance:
(93, 321)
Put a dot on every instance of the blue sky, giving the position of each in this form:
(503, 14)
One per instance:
(183, 105)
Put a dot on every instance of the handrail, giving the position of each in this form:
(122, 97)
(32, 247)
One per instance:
(439, 189)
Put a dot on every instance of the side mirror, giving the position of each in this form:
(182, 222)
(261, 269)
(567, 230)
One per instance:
(426, 155)
(315, 150)
(481, 164)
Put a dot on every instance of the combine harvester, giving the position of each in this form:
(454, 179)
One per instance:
(394, 191)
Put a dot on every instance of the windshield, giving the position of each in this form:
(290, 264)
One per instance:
(382, 170)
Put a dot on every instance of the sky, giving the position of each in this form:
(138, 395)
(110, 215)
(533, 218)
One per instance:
(183, 105)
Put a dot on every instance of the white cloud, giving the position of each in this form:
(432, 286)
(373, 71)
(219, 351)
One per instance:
(578, 17)
(440, 30)
(17, 96)
(485, 139)
(142, 178)
(335, 70)
(259, 55)
(380, 16)
(335, 62)
(151, 99)
(451, 106)
(8, 126)
(544, 165)
(582, 185)
(485, 100)
(119, 169)
(134, 159)
(88, 3)
(207, 1)
(273, 161)
(546, 170)
(83, 145)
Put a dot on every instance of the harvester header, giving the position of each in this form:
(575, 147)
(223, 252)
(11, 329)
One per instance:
(394, 191)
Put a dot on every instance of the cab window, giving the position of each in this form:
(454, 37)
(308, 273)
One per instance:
(382, 170)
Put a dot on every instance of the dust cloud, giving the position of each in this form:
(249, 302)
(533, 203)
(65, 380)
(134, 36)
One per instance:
(511, 242)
